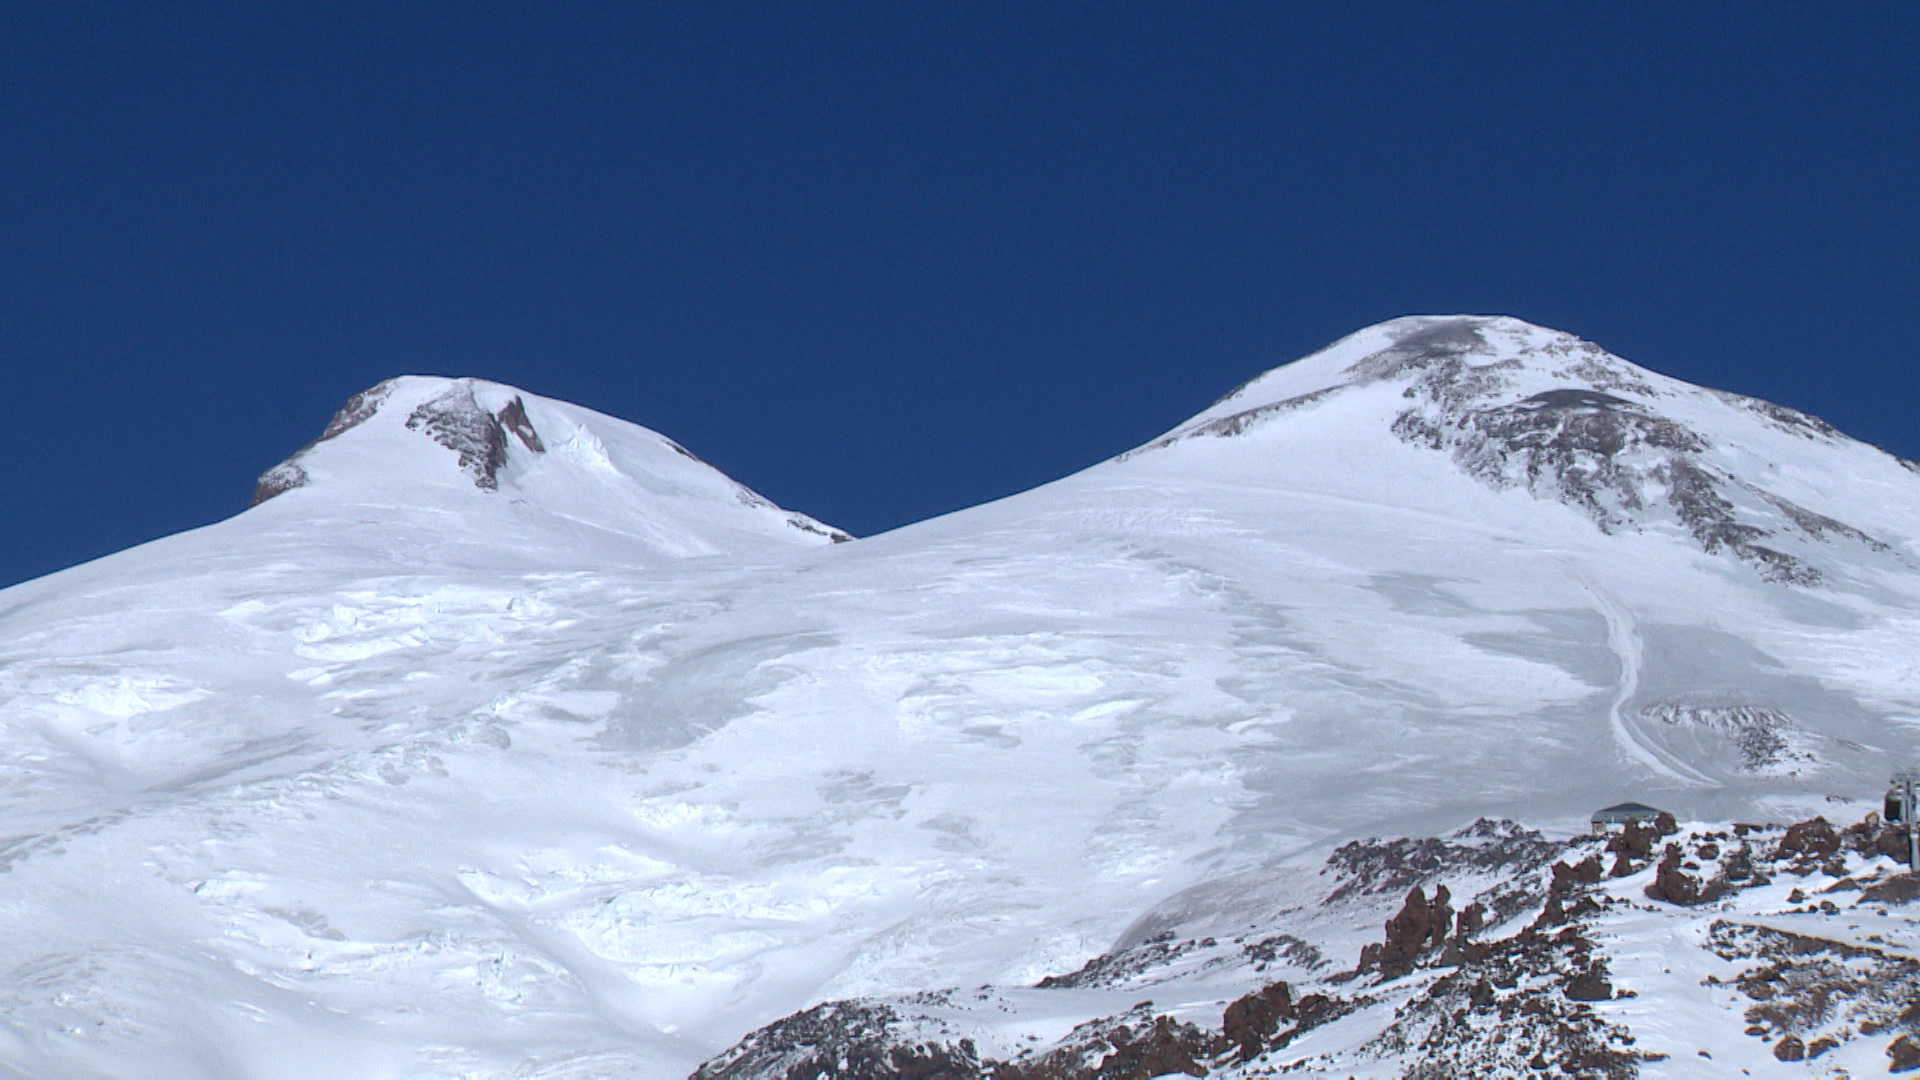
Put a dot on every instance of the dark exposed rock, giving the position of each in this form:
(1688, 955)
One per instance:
(1168, 1046)
(1903, 1054)
(1513, 1007)
(1792, 421)
(358, 410)
(1902, 889)
(1470, 921)
(1817, 526)
(1809, 840)
(288, 475)
(456, 421)
(1141, 1045)
(798, 521)
(1419, 925)
(1758, 732)
(278, 480)
(1251, 1021)
(1376, 867)
(1228, 426)
(1283, 947)
(1634, 841)
(1790, 1049)
(1590, 985)
(1585, 872)
(1695, 496)
(1600, 444)
(1672, 883)
(1811, 987)
(514, 419)
(841, 1040)
(1113, 969)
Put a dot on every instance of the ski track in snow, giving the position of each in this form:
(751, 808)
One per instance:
(1624, 639)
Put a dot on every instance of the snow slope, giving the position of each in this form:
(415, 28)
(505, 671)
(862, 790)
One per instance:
(469, 753)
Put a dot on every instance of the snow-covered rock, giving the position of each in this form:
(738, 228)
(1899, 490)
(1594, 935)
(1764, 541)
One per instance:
(507, 739)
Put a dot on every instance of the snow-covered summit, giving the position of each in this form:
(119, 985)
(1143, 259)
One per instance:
(1523, 407)
(460, 444)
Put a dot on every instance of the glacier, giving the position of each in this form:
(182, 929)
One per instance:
(501, 738)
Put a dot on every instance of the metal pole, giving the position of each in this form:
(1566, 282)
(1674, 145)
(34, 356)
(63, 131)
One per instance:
(1913, 832)
(1907, 783)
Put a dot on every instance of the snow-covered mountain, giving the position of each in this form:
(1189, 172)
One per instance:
(426, 442)
(501, 738)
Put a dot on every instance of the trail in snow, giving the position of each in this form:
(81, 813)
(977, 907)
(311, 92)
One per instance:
(1624, 639)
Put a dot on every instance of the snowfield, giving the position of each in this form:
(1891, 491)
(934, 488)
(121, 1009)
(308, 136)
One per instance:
(506, 739)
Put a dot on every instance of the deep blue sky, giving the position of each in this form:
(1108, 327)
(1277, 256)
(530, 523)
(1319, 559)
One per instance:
(885, 260)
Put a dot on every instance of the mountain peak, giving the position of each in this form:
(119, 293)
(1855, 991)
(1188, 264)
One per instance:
(447, 411)
(418, 440)
(1523, 407)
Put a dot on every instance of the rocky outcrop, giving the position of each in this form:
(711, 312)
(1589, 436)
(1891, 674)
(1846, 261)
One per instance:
(479, 438)
(1250, 1022)
(1419, 926)
(845, 1040)
(1673, 883)
(288, 475)
(1632, 846)
(1567, 877)
(1816, 991)
(1766, 738)
(1808, 841)
(454, 420)
(1903, 889)
(1441, 997)
(1903, 1054)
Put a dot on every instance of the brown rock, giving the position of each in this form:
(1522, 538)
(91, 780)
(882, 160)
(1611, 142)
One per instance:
(1905, 1052)
(514, 419)
(1634, 841)
(1420, 924)
(1812, 839)
(1895, 890)
(1473, 917)
(1169, 1046)
(1892, 842)
(1590, 985)
(1586, 872)
(1251, 1020)
(1673, 884)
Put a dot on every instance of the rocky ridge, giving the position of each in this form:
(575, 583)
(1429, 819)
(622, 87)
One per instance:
(1536, 969)
(1518, 406)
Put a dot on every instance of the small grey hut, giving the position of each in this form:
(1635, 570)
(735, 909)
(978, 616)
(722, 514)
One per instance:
(1622, 814)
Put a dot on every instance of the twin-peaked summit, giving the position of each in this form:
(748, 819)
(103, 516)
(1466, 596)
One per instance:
(1517, 409)
(453, 757)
